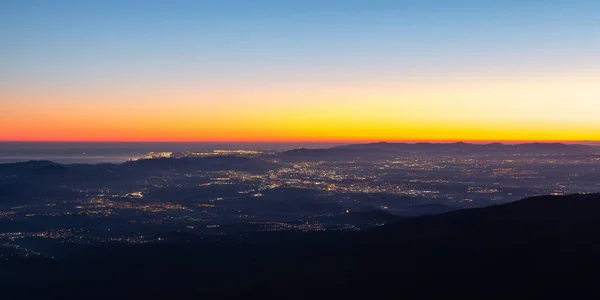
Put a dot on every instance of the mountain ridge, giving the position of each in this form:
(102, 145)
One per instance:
(384, 150)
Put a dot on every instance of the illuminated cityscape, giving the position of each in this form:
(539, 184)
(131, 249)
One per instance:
(224, 192)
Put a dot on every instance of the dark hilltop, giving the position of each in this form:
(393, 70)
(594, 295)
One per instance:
(530, 248)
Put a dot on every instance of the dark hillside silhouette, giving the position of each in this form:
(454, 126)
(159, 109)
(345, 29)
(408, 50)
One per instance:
(528, 248)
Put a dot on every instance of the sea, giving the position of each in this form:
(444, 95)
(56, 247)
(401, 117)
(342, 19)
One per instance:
(117, 152)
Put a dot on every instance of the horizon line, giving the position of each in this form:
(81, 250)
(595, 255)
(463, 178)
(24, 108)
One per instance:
(303, 141)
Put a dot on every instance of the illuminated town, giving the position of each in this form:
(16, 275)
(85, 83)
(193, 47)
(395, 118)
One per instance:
(241, 191)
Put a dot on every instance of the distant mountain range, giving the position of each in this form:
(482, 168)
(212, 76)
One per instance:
(385, 150)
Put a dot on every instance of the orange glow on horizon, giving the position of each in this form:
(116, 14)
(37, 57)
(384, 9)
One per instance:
(498, 109)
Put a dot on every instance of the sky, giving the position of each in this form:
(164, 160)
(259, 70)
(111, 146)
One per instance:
(352, 70)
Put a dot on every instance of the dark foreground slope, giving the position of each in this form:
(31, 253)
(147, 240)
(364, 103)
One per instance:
(531, 248)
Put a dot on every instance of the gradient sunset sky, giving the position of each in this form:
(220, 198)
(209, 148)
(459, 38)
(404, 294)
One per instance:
(300, 70)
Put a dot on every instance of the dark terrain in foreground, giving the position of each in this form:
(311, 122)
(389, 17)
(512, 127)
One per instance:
(529, 248)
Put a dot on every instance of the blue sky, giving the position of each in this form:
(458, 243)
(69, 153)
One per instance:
(84, 40)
